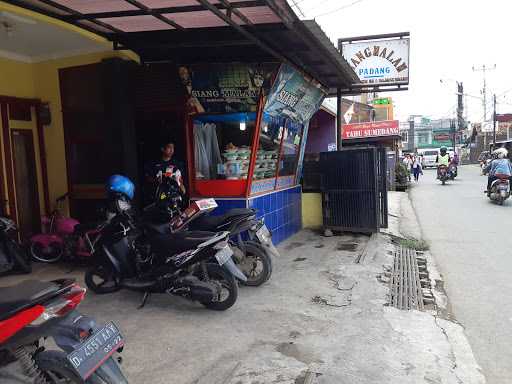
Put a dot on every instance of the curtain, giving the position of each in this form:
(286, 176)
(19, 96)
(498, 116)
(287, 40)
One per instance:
(207, 152)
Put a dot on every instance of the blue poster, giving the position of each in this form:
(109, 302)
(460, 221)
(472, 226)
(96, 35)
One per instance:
(294, 96)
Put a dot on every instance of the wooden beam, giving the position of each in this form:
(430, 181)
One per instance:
(73, 12)
(154, 14)
(161, 11)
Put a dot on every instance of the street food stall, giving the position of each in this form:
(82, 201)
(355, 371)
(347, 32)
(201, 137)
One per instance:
(246, 138)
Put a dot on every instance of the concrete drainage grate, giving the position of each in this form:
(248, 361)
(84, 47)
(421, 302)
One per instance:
(409, 283)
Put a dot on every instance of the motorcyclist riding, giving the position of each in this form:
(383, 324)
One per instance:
(443, 159)
(500, 166)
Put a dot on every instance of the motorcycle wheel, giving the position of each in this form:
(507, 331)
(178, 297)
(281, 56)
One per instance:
(229, 292)
(51, 254)
(100, 279)
(444, 182)
(256, 265)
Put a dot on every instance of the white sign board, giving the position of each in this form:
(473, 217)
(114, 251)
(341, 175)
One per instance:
(379, 61)
(487, 126)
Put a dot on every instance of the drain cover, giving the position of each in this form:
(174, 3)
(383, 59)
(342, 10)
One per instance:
(405, 283)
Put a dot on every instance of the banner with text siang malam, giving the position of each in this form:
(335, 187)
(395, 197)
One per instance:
(371, 129)
(225, 87)
(294, 96)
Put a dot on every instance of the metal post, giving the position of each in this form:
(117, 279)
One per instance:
(339, 125)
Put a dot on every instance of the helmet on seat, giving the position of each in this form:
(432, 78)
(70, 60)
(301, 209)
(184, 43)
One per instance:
(120, 184)
(501, 153)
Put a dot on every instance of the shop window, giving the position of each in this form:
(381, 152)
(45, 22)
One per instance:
(268, 150)
(290, 148)
(222, 145)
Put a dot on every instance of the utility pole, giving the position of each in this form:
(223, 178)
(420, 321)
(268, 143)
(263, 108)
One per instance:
(494, 124)
(452, 129)
(484, 69)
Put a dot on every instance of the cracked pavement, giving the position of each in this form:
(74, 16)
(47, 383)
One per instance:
(322, 318)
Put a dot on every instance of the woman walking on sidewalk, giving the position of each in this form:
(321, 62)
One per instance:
(416, 168)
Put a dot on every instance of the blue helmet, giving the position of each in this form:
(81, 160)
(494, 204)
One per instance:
(121, 184)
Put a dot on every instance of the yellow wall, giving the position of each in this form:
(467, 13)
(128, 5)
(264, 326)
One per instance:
(312, 210)
(41, 81)
(16, 78)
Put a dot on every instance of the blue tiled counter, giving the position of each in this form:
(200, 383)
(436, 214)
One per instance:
(281, 210)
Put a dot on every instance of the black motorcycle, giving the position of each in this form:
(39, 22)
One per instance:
(250, 239)
(33, 311)
(13, 257)
(132, 255)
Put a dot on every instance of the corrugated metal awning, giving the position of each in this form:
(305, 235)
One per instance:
(190, 31)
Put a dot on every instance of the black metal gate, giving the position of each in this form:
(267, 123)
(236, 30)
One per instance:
(354, 189)
(382, 169)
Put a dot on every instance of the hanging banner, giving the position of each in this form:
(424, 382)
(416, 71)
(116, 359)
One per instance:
(226, 87)
(294, 96)
(371, 129)
(379, 61)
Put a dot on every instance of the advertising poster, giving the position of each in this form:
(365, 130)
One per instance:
(379, 61)
(294, 96)
(225, 87)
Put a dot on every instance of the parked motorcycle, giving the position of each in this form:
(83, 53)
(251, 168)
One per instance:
(13, 257)
(136, 256)
(32, 311)
(442, 174)
(62, 238)
(500, 189)
(250, 239)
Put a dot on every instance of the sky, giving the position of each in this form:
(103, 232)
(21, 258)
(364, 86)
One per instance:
(448, 39)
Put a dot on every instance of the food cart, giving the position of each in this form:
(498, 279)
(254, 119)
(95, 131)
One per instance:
(246, 132)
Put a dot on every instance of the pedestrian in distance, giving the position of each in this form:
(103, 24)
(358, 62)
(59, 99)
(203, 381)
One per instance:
(408, 163)
(417, 169)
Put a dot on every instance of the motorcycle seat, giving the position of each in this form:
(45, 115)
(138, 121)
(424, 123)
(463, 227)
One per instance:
(24, 295)
(179, 242)
(212, 223)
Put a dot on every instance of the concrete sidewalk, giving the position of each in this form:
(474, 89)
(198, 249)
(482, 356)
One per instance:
(322, 318)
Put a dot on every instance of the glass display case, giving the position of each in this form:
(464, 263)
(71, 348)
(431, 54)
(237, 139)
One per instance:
(250, 158)
(222, 148)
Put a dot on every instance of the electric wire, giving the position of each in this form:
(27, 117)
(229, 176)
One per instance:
(338, 9)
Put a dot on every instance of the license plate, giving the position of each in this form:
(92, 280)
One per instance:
(263, 234)
(95, 350)
(224, 255)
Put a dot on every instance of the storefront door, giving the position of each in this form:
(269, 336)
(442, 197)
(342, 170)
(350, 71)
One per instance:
(25, 178)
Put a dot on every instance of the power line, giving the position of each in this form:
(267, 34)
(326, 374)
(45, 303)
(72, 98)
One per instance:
(298, 8)
(317, 5)
(338, 9)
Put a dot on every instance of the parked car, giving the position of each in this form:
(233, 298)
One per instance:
(429, 157)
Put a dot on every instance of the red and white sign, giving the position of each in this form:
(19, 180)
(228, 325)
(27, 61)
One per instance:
(371, 129)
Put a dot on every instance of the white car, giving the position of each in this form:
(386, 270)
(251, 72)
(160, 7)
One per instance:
(429, 158)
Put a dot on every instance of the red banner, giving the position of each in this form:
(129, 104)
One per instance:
(371, 129)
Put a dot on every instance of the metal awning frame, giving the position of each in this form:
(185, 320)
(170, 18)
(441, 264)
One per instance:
(248, 34)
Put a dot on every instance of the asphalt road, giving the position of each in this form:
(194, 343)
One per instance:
(471, 240)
